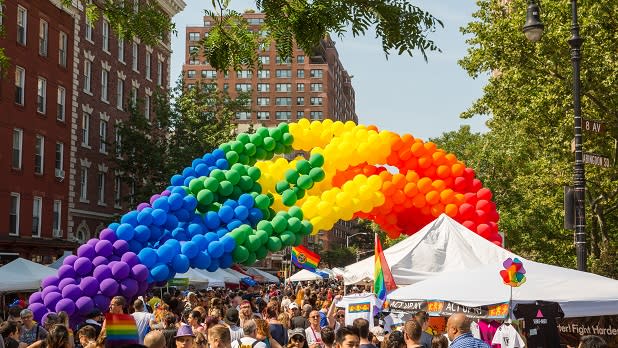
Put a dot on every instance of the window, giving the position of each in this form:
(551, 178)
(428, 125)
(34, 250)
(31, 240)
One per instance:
(263, 74)
(316, 100)
(300, 59)
(133, 97)
(300, 73)
(194, 61)
(14, 214)
(283, 115)
(263, 115)
(243, 115)
(105, 35)
(255, 21)
(119, 93)
(265, 59)
(300, 87)
(117, 191)
(37, 205)
(83, 193)
(61, 103)
(87, 76)
(18, 142)
(147, 66)
(59, 160)
(226, 86)
(39, 154)
(244, 74)
(57, 214)
(283, 87)
(103, 136)
(316, 87)
(43, 37)
(22, 25)
(121, 50)
(135, 50)
(62, 49)
(316, 115)
(193, 50)
(209, 74)
(118, 140)
(86, 129)
(89, 29)
(159, 73)
(283, 101)
(278, 60)
(20, 85)
(263, 101)
(191, 74)
(243, 87)
(105, 85)
(316, 73)
(300, 100)
(101, 188)
(263, 87)
(194, 36)
(300, 114)
(41, 95)
(147, 107)
(284, 73)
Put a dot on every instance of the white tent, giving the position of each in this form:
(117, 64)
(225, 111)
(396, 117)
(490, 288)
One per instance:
(263, 277)
(220, 276)
(304, 275)
(22, 274)
(338, 272)
(56, 264)
(236, 275)
(580, 294)
(200, 278)
(441, 246)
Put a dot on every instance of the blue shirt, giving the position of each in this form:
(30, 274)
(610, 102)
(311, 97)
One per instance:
(468, 341)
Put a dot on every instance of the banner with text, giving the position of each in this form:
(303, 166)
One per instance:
(571, 329)
(446, 308)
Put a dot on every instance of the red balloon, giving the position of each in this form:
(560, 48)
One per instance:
(483, 230)
(484, 193)
(469, 224)
(466, 210)
(470, 198)
(496, 238)
(483, 205)
(476, 185)
(469, 174)
(493, 226)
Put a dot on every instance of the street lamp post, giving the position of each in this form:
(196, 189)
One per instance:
(347, 238)
(533, 30)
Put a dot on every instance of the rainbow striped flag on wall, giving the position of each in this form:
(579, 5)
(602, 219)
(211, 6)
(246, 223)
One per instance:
(305, 258)
(121, 329)
(383, 278)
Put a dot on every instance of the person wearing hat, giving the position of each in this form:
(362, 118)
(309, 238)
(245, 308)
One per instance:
(184, 337)
(31, 331)
(297, 338)
(232, 320)
(297, 320)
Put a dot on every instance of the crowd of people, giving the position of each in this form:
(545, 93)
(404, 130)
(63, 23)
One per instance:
(270, 316)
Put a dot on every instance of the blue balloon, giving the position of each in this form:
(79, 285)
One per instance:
(174, 244)
(189, 202)
(148, 257)
(179, 234)
(195, 229)
(246, 200)
(145, 216)
(190, 249)
(188, 171)
(214, 265)
(208, 159)
(177, 180)
(135, 246)
(215, 249)
(226, 261)
(159, 216)
(142, 233)
(222, 164)
(125, 232)
(179, 190)
(201, 261)
(211, 237)
(165, 253)
(230, 203)
(130, 218)
(188, 180)
(241, 212)
(229, 244)
(212, 220)
(183, 215)
(180, 263)
(202, 169)
(196, 162)
(161, 203)
(171, 222)
(233, 224)
(175, 201)
(255, 216)
(200, 241)
(222, 232)
(226, 213)
(218, 153)
(160, 273)
(155, 233)
(113, 226)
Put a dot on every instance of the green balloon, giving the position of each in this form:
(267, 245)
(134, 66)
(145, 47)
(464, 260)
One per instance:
(244, 159)
(232, 176)
(269, 144)
(256, 187)
(284, 127)
(225, 188)
(317, 174)
(279, 148)
(291, 175)
(225, 147)
(250, 260)
(296, 212)
(305, 182)
(266, 213)
(261, 154)
(288, 238)
(262, 236)
(263, 132)
(307, 228)
(215, 206)
(288, 197)
(187, 189)
(250, 149)
(205, 197)
(270, 154)
(300, 193)
(275, 133)
(256, 139)
(287, 139)
(288, 149)
(212, 184)
(279, 223)
(241, 169)
(203, 208)
(236, 193)
(262, 201)
(239, 235)
(237, 146)
(218, 174)
(232, 157)
(294, 224)
(316, 160)
(273, 244)
(265, 226)
(261, 253)
(240, 254)
(303, 166)
(243, 138)
(253, 242)
(196, 185)
(254, 172)
(281, 186)
(299, 239)
(245, 183)
(271, 212)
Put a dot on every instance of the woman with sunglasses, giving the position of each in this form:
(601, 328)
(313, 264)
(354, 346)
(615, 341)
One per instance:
(297, 339)
(313, 332)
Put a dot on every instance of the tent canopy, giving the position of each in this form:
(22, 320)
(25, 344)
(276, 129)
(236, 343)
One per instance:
(304, 275)
(263, 277)
(443, 245)
(22, 274)
(580, 294)
(200, 278)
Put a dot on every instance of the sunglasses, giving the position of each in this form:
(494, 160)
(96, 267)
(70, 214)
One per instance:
(314, 316)
(298, 338)
(341, 316)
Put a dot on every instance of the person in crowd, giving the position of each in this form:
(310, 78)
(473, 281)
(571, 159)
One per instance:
(10, 334)
(169, 329)
(184, 337)
(296, 319)
(87, 337)
(458, 332)
(592, 341)
(394, 339)
(297, 338)
(362, 325)
(232, 321)
(57, 337)
(200, 340)
(347, 337)
(423, 318)
(439, 341)
(378, 335)
(50, 320)
(195, 321)
(30, 330)
(328, 337)
(245, 313)
(155, 339)
(313, 332)
(94, 319)
(249, 339)
(219, 337)
(284, 319)
(335, 316)
(143, 319)
(191, 301)
(14, 314)
(276, 327)
(263, 334)
(412, 334)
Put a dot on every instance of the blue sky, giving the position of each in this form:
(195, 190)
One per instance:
(402, 94)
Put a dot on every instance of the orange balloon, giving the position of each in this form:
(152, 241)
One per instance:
(410, 189)
(424, 185)
(457, 169)
(451, 210)
(438, 157)
(438, 185)
(419, 201)
(399, 180)
(425, 161)
(430, 147)
(388, 188)
(418, 149)
(398, 197)
(443, 171)
(372, 127)
(432, 197)
(412, 176)
(447, 196)
(437, 209)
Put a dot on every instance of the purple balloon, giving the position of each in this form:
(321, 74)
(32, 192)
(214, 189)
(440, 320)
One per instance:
(66, 271)
(142, 288)
(154, 198)
(104, 248)
(69, 260)
(89, 286)
(49, 281)
(92, 242)
(130, 258)
(66, 305)
(99, 260)
(66, 281)
(84, 305)
(51, 299)
(86, 250)
(102, 272)
(109, 287)
(108, 234)
(120, 247)
(140, 272)
(142, 206)
(120, 270)
(38, 310)
(72, 292)
(166, 193)
(82, 266)
(36, 297)
(48, 290)
(128, 287)
(102, 302)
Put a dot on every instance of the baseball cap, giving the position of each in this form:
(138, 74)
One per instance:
(296, 332)
(293, 305)
(231, 316)
(378, 332)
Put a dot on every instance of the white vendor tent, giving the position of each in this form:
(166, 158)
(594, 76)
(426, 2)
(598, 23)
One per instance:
(200, 278)
(222, 276)
(580, 294)
(21, 274)
(443, 245)
(338, 272)
(263, 277)
(304, 275)
(237, 275)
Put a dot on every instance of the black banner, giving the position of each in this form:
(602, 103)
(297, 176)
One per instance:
(445, 308)
(571, 329)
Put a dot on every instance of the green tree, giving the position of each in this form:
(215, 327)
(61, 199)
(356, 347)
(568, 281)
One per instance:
(187, 124)
(526, 158)
(340, 257)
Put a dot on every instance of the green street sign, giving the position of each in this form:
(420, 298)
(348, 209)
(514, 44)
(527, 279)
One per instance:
(178, 282)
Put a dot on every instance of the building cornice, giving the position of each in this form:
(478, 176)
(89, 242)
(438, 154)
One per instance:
(172, 7)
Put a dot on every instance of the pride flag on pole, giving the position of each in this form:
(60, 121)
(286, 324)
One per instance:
(383, 279)
(305, 258)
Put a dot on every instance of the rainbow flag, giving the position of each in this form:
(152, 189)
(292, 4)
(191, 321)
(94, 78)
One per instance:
(305, 258)
(383, 282)
(121, 329)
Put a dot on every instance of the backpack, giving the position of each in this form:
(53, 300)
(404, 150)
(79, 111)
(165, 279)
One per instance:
(244, 345)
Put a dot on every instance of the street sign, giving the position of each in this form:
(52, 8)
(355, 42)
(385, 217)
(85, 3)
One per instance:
(593, 126)
(178, 282)
(597, 160)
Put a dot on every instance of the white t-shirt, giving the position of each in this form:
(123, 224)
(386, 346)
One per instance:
(474, 329)
(142, 320)
(358, 306)
(313, 336)
(507, 337)
(248, 341)
(236, 333)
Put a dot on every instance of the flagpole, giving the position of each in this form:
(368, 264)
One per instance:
(290, 274)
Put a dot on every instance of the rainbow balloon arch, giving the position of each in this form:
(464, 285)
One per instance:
(237, 204)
